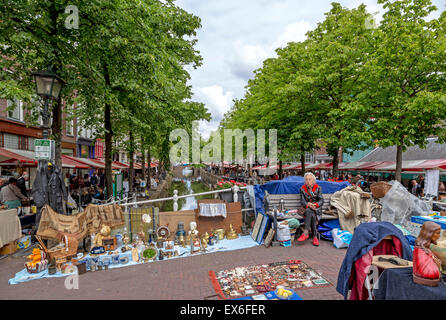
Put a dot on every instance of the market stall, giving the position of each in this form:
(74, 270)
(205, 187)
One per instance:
(113, 247)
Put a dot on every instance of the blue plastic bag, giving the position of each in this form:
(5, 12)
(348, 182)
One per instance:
(341, 238)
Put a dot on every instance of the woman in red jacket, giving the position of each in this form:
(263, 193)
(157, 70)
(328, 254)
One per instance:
(312, 200)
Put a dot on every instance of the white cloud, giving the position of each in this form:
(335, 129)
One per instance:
(246, 58)
(294, 32)
(216, 101)
(237, 36)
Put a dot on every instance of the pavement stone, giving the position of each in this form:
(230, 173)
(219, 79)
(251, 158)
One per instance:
(178, 279)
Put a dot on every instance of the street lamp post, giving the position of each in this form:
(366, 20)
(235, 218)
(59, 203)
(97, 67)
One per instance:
(48, 87)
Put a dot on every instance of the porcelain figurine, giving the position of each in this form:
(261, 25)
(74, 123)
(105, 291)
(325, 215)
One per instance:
(193, 232)
(135, 255)
(426, 267)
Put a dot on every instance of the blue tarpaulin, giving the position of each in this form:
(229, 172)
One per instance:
(292, 185)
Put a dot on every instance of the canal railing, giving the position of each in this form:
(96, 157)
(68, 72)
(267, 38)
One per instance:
(128, 202)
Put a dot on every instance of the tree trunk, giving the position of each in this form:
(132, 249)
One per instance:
(143, 160)
(149, 157)
(302, 162)
(280, 170)
(56, 131)
(336, 163)
(399, 162)
(108, 139)
(132, 164)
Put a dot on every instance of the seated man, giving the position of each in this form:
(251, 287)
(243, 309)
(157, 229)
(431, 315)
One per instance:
(312, 200)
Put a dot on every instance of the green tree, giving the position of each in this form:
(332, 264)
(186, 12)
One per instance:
(404, 77)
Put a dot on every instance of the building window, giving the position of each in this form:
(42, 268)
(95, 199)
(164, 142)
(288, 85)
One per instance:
(70, 127)
(309, 157)
(17, 112)
(31, 145)
(10, 141)
(22, 143)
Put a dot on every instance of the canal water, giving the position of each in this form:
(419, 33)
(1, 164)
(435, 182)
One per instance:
(185, 186)
(191, 202)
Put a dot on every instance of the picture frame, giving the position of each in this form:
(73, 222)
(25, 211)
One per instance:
(263, 228)
(257, 225)
(269, 237)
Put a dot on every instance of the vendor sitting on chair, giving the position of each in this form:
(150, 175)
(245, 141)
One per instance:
(312, 200)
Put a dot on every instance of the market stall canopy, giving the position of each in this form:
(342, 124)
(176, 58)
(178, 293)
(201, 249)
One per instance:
(115, 164)
(136, 166)
(120, 165)
(70, 163)
(439, 164)
(16, 157)
(294, 166)
(89, 162)
(406, 166)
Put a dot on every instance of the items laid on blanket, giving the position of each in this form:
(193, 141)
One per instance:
(353, 207)
(254, 280)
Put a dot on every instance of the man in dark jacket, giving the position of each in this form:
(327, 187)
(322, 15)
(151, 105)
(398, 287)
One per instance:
(312, 200)
(21, 183)
(49, 188)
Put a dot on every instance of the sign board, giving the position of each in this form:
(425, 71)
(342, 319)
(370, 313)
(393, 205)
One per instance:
(44, 149)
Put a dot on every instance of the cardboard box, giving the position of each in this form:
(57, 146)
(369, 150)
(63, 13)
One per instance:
(438, 219)
(9, 248)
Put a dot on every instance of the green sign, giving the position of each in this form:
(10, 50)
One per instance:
(44, 149)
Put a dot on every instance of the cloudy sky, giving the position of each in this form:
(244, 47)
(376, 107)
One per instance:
(237, 35)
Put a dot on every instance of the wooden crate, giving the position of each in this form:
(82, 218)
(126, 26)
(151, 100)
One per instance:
(10, 248)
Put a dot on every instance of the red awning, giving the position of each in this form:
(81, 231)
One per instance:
(120, 165)
(68, 162)
(294, 166)
(370, 165)
(89, 162)
(8, 157)
(429, 165)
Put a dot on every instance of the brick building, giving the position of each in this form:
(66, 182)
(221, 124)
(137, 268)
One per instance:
(16, 134)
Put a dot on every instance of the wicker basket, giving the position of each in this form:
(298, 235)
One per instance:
(380, 189)
(66, 252)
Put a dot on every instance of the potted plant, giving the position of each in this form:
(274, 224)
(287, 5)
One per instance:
(228, 196)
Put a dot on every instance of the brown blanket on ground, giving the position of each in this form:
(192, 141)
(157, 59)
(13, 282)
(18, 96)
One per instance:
(80, 225)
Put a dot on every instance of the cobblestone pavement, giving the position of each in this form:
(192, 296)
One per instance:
(182, 278)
